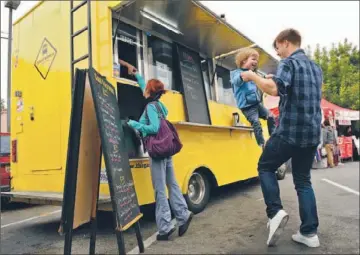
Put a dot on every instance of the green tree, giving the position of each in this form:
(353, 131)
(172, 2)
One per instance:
(341, 73)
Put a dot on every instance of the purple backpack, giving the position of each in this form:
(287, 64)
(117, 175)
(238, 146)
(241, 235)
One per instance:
(166, 142)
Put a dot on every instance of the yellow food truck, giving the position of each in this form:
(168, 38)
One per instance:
(156, 37)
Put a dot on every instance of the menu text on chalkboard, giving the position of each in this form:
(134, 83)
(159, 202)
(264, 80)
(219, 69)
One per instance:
(193, 86)
(118, 170)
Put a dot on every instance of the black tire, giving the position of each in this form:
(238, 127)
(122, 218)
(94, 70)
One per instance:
(197, 202)
(281, 172)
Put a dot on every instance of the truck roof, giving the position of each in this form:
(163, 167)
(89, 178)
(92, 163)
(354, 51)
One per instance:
(200, 5)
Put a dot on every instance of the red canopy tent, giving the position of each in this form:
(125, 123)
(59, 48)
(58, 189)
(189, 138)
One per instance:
(341, 114)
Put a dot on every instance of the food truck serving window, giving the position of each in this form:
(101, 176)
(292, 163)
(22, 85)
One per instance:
(210, 90)
(160, 61)
(128, 47)
(226, 95)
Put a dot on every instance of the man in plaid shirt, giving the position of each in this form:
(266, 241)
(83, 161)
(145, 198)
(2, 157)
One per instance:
(298, 83)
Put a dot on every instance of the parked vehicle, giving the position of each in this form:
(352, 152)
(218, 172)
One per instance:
(5, 164)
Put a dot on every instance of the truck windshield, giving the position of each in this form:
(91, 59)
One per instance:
(5, 144)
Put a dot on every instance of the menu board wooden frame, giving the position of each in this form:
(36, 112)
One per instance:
(88, 138)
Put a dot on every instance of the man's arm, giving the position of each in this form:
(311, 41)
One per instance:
(266, 85)
(131, 68)
(123, 63)
(273, 85)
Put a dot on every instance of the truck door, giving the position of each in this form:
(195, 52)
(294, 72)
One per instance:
(42, 124)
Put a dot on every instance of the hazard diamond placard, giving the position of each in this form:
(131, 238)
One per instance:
(45, 58)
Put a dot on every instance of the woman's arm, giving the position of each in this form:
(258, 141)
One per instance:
(141, 81)
(154, 123)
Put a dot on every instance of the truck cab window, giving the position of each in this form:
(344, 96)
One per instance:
(160, 59)
(226, 95)
(128, 48)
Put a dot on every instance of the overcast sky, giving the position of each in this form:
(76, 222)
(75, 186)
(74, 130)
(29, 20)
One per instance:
(318, 22)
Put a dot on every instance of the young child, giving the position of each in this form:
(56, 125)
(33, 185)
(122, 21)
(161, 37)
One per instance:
(246, 95)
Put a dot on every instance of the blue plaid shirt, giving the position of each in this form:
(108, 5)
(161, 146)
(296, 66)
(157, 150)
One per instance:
(299, 82)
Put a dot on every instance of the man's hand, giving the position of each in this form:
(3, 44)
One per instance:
(267, 85)
(269, 76)
(131, 70)
(248, 75)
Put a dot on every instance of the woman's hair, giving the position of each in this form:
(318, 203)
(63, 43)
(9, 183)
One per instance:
(154, 87)
(326, 122)
(244, 54)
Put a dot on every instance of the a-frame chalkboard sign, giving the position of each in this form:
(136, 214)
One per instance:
(95, 127)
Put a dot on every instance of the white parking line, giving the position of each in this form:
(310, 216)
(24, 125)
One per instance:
(30, 219)
(147, 242)
(342, 187)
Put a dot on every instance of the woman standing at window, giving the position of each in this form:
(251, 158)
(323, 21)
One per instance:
(162, 170)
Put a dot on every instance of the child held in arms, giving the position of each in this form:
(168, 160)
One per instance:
(246, 95)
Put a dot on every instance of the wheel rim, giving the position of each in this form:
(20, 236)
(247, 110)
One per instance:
(196, 188)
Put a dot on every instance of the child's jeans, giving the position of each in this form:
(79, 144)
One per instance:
(252, 114)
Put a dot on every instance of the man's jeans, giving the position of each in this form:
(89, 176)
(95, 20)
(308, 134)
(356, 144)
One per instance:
(277, 152)
(253, 115)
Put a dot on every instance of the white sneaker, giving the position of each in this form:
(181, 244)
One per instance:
(276, 226)
(312, 241)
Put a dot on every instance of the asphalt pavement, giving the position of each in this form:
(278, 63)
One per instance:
(234, 222)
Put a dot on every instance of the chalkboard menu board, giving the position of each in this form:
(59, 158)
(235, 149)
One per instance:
(118, 170)
(193, 86)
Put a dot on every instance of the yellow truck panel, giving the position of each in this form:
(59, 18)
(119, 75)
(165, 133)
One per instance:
(41, 74)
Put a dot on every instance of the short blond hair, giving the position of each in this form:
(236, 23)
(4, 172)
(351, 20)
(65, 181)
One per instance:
(244, 54)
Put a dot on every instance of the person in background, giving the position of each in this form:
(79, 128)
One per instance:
(298, 82)
(162, 170)
(355, 152)
(246, 95)
(337, 158)
(348, 132)
(329, 141)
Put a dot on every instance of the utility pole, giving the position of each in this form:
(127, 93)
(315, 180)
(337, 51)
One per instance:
(11, 5)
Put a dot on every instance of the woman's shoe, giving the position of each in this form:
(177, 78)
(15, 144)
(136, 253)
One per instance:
(165, 237)
(183, 228)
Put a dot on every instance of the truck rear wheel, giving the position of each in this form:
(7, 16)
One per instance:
(198, 193)
(281, 172)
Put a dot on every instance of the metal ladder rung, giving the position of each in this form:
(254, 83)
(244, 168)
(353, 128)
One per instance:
(73, 34)
(80, 31)
(79, 6)
(80, 59)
